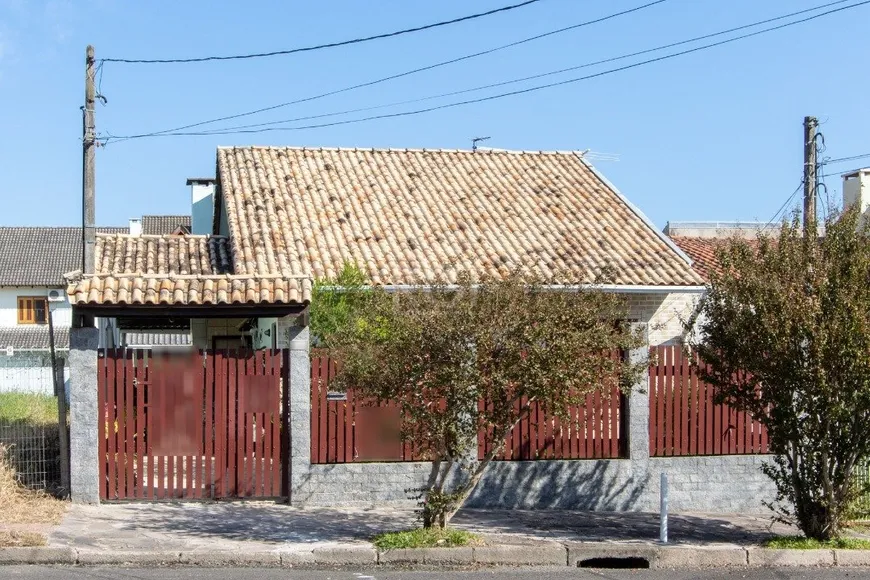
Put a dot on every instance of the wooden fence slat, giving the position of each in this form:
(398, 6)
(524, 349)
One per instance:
(206, 487)
(259, 466)
(685, 390)
(121, 381)
(596, 424)
(711, 422)
(102, 435)
(271, 462)
(674, 401)
(572, 451)
(614, 422)
(606, 420)
(149, 428)
(129, 449)
(112, 417)
(652, 385)
(660, 403)
(138, 426)
(669, 402)
(327, 442)
(315, 409)
(695, 427)
(349, 419)
(220, 423)
(249, 465)
(231, 377)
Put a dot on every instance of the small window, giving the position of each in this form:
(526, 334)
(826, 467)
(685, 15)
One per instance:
(32, 310)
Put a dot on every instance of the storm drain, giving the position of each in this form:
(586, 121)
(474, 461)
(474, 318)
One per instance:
(614, 563)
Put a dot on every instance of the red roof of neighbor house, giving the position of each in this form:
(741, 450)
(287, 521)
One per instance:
(702, 251)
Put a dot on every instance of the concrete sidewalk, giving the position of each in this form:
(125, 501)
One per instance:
(269, 534)
(266, 526)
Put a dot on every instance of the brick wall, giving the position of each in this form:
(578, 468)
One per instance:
(665, 314)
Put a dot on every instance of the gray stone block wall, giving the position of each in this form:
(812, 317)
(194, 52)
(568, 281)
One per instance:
(724, 484)
(83, 416)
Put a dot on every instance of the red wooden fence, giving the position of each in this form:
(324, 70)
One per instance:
(204, 426)
(685, 421)
(344, 430)
(593, 431)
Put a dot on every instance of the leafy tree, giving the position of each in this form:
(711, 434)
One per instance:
(785, 330)
(439, 352)
(334, 300)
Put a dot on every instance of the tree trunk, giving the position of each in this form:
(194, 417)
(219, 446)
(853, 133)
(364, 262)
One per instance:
(468, 487)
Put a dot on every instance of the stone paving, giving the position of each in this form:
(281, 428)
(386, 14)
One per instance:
(264, 526)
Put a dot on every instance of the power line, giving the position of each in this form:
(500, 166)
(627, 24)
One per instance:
(321, 46)
(841, 159)
(784, 205)
(512, 93)
(517, 80)
(405, 73)
(840, 173)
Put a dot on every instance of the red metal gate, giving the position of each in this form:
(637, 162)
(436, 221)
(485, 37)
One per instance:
(204, 425)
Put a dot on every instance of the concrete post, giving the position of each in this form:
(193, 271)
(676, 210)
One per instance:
(638, 417)
(84, 416)
(300, 411)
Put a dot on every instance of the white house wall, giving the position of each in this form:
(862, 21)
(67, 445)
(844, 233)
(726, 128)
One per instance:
(665, 314)
(61, 311)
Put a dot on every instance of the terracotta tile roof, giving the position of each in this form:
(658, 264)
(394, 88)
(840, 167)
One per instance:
(177, 270)
(406, 216)
(703, 254)
(39, 256)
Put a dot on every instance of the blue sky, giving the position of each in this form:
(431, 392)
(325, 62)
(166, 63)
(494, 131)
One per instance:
(715, 135)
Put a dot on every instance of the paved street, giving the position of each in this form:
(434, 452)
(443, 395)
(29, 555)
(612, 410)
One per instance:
(60, 573)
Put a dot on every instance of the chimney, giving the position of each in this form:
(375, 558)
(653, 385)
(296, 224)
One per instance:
(135, 227)
(856, 190)
(201, 204)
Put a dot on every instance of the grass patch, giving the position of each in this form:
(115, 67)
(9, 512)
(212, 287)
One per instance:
(28, 408)
(426, 538)
(19, 505)
(801, 543)
(20, 539)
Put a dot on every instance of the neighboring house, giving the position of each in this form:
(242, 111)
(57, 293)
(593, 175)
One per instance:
(32, 264)
(700, 240)
(280, 217)
(32, 267)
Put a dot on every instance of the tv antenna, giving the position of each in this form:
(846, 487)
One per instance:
(477, 140)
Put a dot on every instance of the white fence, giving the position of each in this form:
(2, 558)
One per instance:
(29, 372)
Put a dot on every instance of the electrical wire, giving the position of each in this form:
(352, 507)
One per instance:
(784, 205)
(511, 93)
(321, 46)
(839, 173)
(406, 73)
(509, 82)
(841, 159)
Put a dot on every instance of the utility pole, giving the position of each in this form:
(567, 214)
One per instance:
(89, 144)
(810, 166)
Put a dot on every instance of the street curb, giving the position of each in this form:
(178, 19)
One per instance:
(571, 554)
(37, 556)
(768, 557)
